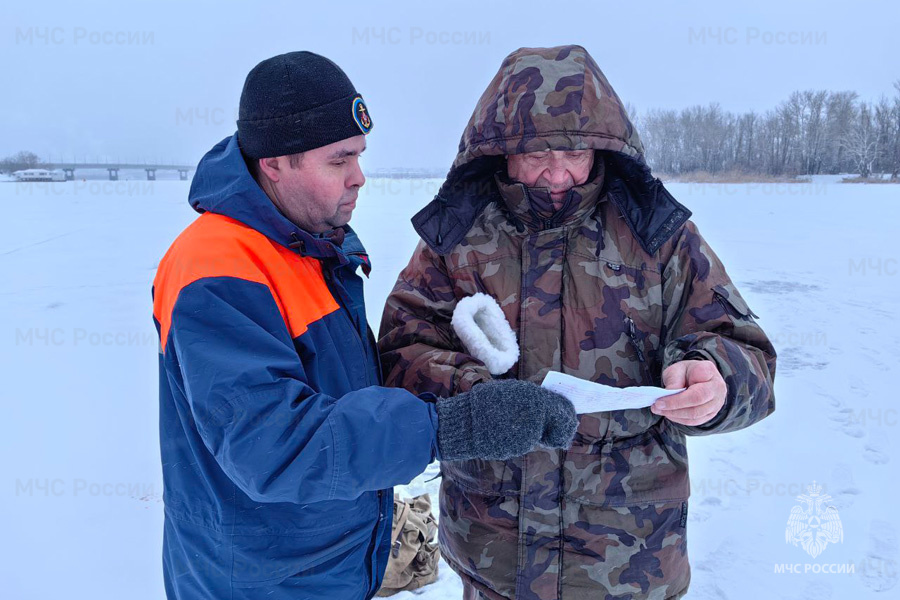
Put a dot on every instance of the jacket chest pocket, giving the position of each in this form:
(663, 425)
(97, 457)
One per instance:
(613, 315)
(644, 348)
(354, 354)
(614, 346)
(734, 305)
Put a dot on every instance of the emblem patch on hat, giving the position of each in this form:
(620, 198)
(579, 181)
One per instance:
(361, 115)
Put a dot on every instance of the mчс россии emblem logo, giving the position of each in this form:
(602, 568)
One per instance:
(812, 524)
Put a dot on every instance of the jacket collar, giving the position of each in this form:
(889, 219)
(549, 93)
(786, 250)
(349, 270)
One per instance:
(534, 207)
(223, 185)
(652, 214)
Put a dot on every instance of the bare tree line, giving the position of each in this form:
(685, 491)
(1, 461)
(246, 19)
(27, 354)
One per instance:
(20, 160)
(812, 132)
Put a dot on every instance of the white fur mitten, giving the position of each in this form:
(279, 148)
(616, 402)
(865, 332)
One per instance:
(481, 325)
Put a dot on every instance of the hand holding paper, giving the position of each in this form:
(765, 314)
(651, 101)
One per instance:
(704, 395)
(590, 397)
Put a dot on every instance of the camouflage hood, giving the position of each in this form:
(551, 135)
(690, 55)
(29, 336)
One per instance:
(549, 99)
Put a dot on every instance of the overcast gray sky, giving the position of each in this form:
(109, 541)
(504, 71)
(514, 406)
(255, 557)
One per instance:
(161, 80)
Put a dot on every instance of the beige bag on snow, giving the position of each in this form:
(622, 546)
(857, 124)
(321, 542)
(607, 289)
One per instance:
(414, 555)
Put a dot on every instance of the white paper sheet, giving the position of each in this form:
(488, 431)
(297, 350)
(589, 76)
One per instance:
(589, 397)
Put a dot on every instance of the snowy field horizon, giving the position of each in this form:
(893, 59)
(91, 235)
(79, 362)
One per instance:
(82, 478)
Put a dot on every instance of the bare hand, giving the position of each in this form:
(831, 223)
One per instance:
(703, 398)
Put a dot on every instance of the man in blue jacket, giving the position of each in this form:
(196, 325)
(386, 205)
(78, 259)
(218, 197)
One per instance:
(279, 447)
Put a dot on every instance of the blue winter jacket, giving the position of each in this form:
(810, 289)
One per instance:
(279, 447)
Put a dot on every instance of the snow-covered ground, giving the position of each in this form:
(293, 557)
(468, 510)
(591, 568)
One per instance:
(81, 484)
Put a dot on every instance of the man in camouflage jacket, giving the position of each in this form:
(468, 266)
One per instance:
(608, 281)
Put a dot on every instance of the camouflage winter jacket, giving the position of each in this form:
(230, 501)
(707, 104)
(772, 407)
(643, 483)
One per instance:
(614, 287)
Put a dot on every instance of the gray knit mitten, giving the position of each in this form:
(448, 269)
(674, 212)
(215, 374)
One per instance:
(503, 418)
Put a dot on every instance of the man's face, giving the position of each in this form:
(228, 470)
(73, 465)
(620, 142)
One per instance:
(557, 170)
(319, 192)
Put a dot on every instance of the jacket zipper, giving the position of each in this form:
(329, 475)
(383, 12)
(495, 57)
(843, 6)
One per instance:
(562, 209)
(548, 223)
(632, 335)
(376, 568)
(562, 525)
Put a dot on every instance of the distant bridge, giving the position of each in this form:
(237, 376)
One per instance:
(113, 169)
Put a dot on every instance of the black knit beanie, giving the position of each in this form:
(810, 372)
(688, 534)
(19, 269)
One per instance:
(295, 102)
